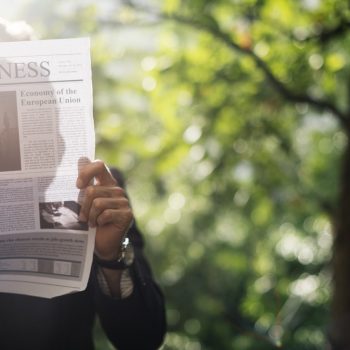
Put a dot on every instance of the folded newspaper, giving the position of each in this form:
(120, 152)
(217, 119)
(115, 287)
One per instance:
(46, 134)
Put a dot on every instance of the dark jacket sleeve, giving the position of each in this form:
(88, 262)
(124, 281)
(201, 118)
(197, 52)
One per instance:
(138, 321)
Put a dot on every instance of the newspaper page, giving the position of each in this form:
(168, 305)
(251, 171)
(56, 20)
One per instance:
(46, 134)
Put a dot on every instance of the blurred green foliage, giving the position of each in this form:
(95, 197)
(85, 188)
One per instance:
(232, 180)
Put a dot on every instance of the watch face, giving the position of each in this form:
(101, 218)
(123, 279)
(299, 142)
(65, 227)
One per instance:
(129, 255)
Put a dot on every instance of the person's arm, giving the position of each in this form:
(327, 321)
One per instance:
(137, 321)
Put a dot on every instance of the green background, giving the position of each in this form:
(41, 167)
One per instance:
(225, 117)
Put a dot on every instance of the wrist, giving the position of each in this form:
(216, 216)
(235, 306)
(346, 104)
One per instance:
(122, 260)
(106, 256)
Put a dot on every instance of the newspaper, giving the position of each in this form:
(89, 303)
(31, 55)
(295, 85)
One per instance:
(46, 134)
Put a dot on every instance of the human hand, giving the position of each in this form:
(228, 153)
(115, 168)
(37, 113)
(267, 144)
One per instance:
(105, 207)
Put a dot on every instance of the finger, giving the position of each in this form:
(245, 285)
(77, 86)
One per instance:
(99, 205)
(119, 218)
(98, 170)
(93, 192)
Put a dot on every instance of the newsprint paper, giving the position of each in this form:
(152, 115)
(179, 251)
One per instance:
(46, 134)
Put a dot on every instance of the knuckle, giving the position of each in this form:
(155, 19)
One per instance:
(100, 165)
(82, 174)
(119, 192)
(124, 202)
(102, 218)
(90, 190)
(97, 203)
(107, 214)
(129, 215)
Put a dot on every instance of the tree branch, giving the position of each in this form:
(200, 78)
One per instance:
(327, 34)
(276, 83)
(250, 332)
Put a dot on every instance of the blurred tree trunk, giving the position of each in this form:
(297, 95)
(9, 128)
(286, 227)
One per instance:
(340, 323)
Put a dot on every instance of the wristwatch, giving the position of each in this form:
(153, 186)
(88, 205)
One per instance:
(124, 260)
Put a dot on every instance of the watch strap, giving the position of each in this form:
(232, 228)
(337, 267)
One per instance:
(116, 264)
